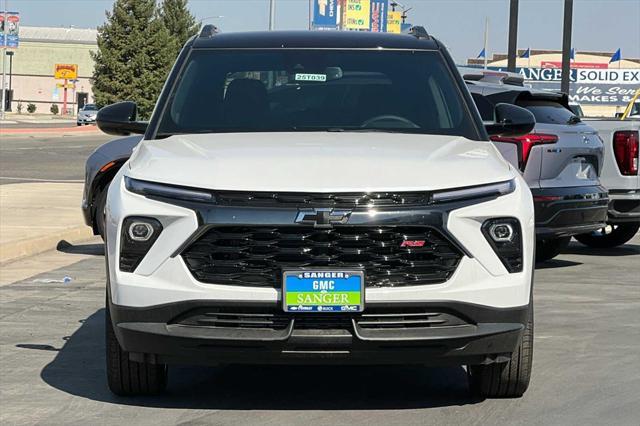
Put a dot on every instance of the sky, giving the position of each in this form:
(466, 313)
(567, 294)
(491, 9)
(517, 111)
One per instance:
(599, 25)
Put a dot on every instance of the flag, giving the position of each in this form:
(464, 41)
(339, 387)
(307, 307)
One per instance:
(526, 53)
(482, 54)
(616, 56)
(572, 54)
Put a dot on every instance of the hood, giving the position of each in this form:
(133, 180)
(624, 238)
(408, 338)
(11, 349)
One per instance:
(319, 162)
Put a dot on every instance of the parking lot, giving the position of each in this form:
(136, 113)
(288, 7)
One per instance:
(587, 305)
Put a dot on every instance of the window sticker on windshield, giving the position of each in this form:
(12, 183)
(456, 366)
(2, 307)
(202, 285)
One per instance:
(311, 77)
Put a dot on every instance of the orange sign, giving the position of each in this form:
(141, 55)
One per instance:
(66, 71)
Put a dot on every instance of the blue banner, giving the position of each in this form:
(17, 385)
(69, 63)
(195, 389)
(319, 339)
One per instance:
(325, 13)
(9, 30)
(379, 12)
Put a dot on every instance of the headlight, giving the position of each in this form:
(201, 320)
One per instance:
(151, 189)
(480, 191)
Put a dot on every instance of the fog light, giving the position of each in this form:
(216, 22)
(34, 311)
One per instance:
(501, 232)
(504, 235)
(140, 231)
(138, 235)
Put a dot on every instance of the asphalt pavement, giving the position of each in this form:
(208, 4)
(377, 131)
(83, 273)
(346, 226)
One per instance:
(585, 371)
(46, 158)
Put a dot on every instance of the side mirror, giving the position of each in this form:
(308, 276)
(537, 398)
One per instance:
(120, 119)
(511, 120)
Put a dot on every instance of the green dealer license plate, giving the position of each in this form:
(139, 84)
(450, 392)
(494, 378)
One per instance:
(321, 290)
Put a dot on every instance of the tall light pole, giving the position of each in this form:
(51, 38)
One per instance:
(566, 46)
(4, 49)
(10, 93)
(272, 15)
(513, 35)
(486, 41)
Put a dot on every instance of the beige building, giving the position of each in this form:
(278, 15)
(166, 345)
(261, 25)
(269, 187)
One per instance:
(34, 61)
(540, 58)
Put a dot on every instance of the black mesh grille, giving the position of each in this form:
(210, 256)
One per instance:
(256, 256)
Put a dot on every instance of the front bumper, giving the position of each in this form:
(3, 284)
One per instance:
(564, 212)
(86, 120)
(624, 206)
(157, 334)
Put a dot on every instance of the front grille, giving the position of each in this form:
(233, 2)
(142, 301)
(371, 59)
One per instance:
(352, 200)
(256, 256)
(409, 319)
(237, 318)
(276, 319)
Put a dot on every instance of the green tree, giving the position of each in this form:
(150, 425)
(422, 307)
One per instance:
(179, 22)
(134, 56)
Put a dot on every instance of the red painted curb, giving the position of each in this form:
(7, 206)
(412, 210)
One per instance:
(76, 129)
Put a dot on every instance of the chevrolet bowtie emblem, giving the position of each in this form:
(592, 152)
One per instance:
(322, 218)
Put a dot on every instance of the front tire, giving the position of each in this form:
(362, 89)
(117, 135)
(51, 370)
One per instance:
(505, 380)
(101, 202)
(610, 236)
(550, 248)
(130, 378)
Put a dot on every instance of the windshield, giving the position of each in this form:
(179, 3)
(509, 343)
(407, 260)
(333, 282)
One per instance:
(90, 107)
(315, 90)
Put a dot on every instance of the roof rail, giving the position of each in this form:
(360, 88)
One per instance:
(419, 32)
(208, 31)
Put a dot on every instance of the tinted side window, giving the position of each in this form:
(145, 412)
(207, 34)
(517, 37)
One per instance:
(484, 106)
(547, 112)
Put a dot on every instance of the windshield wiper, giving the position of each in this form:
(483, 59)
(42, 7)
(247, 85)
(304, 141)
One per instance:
(574, 120)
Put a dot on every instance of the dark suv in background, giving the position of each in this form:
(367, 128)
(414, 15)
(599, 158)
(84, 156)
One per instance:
(561, 159)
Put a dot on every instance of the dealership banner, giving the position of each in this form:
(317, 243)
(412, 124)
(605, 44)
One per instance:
(325, 14)
(357, 14)
(394, 22)
(379, 10)
(574, 64)
(10, 30)
(589, 86)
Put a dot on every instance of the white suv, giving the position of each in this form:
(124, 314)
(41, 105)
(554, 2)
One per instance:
(318, 198)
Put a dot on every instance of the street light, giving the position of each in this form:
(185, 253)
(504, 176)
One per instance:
(210, 17)
(10, 93)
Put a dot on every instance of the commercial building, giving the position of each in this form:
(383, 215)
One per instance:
(33, 64)
(601, 87)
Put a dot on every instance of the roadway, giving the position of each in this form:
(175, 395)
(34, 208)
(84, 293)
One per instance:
(46, 158)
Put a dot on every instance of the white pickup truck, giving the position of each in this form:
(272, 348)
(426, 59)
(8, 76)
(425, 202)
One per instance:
(620, 176)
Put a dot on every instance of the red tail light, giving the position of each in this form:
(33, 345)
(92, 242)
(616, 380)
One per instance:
(525, 143)
(625, 147)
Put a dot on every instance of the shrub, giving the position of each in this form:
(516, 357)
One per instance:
(19, 107)
(31, 108)
(54, 109)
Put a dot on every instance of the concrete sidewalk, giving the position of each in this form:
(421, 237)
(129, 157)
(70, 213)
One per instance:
(34, 217)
